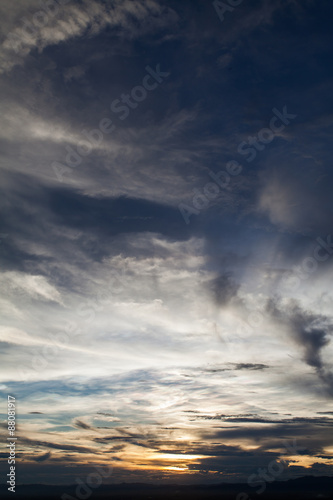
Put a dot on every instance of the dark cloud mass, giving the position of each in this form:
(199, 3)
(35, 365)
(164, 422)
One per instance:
(224, 289)
(312, 332)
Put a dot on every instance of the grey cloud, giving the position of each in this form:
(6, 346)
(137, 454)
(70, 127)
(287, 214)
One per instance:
(47, 444)
(250, 366)
(82, 425)
(258, 419)
(42, 458)
(310, 331)
(224, 289)
(239, 366)
(124, 439)
(311, 437)
(75, 19)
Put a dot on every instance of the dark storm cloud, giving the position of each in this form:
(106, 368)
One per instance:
(107, 439)
(224, 289)
(208, 449)
(238, 367)
(257, 419)
(271, 435)
(130, 440)
(119, 447)
(111, 215)
(48, 444)
(310, 331)
(250, 366)
(42, 458)
(82, 425)
(114, 216)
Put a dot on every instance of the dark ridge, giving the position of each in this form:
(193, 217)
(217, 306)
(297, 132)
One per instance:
(305, 488)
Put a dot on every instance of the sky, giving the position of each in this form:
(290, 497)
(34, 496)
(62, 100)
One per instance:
(166, 298)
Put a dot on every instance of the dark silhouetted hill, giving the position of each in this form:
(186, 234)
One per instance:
(305, 488)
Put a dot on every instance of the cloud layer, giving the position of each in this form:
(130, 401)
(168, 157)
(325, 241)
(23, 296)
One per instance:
(176, 350)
